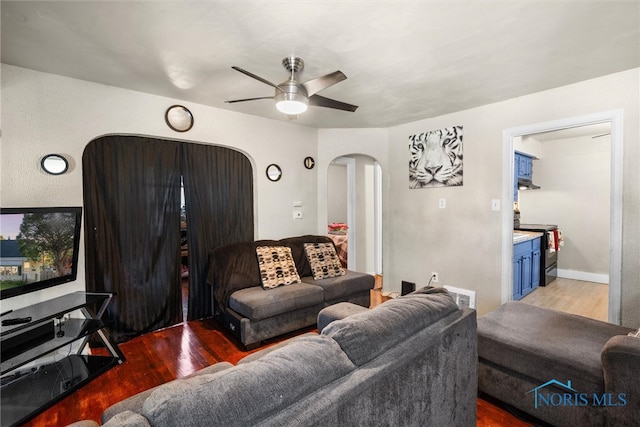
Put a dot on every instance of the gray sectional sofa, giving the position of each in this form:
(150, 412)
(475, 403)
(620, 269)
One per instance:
(564, 369)
(253, 314)
(410, 361)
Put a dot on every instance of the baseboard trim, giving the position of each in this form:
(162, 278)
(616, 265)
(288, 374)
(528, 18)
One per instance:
(583, 275)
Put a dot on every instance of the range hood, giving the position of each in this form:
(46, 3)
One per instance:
(526, 184)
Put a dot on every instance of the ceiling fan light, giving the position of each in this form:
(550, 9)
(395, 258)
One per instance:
(291, 108)
(291, 103)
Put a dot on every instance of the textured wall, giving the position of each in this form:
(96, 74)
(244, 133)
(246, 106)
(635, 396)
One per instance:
(44, 113)
(462, 242)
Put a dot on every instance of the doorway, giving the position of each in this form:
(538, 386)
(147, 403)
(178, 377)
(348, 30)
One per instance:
(354, 198)
(614, 119)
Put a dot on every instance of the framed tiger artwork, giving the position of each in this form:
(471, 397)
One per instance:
(435, 158)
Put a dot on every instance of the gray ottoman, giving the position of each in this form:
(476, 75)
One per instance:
(523, 348)
(337, 312)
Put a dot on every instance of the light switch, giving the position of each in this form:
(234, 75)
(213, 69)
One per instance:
(495, 204)
(297, 214)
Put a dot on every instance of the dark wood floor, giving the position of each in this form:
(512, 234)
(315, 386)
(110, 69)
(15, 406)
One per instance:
(175, 352)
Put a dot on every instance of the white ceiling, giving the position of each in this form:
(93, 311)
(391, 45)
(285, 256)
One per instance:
(404, 61)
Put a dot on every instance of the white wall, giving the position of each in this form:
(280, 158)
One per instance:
(337, 193)
(463, 241)
(575, 179)
(44, 113)
(365, 210)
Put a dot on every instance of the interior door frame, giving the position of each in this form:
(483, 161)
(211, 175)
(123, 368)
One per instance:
(615, 119)
(350, 163)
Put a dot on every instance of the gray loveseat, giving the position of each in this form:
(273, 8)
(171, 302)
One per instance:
(254, 314)
(409, 362)
(564, 369)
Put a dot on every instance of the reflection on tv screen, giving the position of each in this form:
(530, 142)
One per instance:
(36, 247)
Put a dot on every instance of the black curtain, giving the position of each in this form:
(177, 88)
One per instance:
(218, 187)
(132, 230)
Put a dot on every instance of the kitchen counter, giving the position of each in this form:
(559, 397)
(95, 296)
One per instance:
(520, 236)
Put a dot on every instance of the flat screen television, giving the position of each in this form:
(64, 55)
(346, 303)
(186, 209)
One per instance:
(38, 248)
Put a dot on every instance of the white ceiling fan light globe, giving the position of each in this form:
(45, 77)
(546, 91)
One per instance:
(291, 104)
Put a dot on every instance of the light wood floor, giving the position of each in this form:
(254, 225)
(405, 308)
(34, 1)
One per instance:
(586, 299)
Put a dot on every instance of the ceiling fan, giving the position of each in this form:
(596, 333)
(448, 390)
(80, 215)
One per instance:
(292, 97)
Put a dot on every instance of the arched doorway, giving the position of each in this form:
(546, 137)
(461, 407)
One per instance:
(354, 198)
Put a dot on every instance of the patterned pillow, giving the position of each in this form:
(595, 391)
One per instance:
(276, 266)
(323, 260)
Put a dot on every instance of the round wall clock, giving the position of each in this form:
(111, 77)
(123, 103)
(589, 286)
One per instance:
(309, 163)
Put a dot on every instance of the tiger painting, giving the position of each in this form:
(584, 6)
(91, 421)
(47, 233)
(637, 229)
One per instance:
(435, 158)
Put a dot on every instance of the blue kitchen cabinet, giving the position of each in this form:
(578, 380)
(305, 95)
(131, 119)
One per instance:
(523, 165)
(526, 267)
(536, 259)
(522, 168)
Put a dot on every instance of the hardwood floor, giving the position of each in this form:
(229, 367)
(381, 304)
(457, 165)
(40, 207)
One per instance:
(175, 352)
(573, 296)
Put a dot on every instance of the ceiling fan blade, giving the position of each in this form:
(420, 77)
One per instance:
(248, 99)
(250, 74)
(316, 85)
(321, 101)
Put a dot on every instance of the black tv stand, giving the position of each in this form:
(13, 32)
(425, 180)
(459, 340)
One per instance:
(31, 380)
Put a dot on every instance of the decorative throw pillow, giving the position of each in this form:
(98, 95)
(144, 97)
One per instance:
(276, 266)
(323, 260)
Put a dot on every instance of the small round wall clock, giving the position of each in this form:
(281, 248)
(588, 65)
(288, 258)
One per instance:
(309, 163)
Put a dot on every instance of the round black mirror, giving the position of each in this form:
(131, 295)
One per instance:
(274, 173)
(54, 164)
(179, 118)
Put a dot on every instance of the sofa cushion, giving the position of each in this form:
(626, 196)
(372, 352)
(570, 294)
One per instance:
(135, 402)
(546, 344)
(127, 419)
(297, 250)
(342, 286)
(257, 303)
(364, 336)
(247, 393)
(323, 260)
(233, 267)
(276, 266)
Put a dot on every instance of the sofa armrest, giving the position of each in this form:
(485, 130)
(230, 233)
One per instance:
(621, 366)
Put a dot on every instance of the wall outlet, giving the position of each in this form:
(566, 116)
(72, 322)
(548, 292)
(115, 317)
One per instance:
(434, 277)
(464, 298)
(297, 214)
(442, 203)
